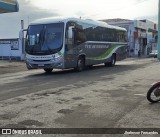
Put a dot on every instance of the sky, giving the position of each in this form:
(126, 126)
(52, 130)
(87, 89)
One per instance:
(30, 10)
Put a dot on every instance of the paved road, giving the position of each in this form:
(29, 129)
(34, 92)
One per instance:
(25, 82)
(97, 97)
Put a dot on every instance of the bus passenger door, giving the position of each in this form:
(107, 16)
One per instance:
(70, 48)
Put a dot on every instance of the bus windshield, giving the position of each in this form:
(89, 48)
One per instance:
(44, 39)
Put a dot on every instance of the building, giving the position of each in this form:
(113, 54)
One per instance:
(152, 34)
(142, 34)
(11, 49)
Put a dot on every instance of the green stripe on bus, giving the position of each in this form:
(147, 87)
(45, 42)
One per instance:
(104, 55)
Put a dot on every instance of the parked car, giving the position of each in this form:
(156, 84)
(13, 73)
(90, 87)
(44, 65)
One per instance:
(153, 53)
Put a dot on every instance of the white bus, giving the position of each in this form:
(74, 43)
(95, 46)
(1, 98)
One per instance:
(73, 43)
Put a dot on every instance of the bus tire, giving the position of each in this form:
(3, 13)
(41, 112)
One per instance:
(112, 62)
(48, 70)
(80, 64)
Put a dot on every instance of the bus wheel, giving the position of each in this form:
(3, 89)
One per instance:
(48, 70)
(80, 64)
(113, 61)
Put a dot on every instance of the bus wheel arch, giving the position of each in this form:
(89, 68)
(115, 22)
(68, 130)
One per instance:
(80, 63)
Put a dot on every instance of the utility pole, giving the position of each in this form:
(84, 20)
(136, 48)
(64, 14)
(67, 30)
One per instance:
(159, 29)
(28, 20)
(21, 39)
(22, 24)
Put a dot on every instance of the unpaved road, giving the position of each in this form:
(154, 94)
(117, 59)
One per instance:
(95, 98)
(11, 67)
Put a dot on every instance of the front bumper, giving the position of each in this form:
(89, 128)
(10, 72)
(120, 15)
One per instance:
(44, 64)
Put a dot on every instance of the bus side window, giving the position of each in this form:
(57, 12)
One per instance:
(80, 36)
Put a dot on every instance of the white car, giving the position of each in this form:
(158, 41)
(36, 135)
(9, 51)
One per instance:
(153, 53)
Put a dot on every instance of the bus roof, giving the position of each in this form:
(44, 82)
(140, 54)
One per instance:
(65, 20)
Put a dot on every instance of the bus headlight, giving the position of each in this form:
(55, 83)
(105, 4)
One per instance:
(28, 60)
(58, 57)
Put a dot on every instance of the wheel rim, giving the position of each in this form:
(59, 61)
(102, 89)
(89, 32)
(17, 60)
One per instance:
(80, 64)
(113, 60)
(155, 95)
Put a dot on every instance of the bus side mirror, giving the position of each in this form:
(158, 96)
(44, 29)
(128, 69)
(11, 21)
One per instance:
(70, 32)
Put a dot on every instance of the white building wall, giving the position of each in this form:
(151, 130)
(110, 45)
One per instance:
(10, 49)
(139, 24)
(151, 43)
(4, 49)
(137, 43)
(150, 25)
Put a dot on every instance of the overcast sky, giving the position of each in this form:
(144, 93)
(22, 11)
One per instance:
(93, 9)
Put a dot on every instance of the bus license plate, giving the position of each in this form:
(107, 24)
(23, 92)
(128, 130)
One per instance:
(41, 65)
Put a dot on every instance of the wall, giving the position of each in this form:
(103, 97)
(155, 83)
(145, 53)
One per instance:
(10, 49)
(152, 32)
(139, 24)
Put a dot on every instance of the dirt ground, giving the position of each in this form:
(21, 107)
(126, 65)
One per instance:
(11, 67)
(101, 97)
